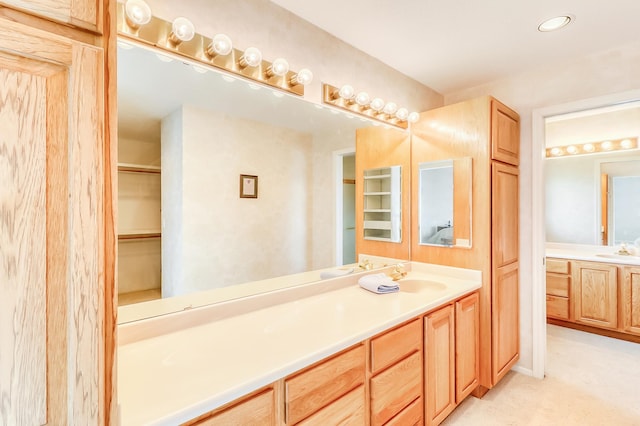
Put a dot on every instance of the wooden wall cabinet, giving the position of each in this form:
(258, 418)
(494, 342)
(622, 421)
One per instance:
(494, 149)
(56, 226)
(595, 294)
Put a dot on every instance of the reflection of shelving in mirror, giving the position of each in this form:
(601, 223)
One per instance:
(139, 231)
(382, 204)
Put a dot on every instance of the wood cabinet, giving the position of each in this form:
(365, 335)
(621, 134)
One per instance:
(396, 367)
(315, 388)
(439, 358)
(451, 356)
(558, 288)
(595, 294)
(630, 299)
(83, 14)
(257, 409)
(56, 226)
(489, 132)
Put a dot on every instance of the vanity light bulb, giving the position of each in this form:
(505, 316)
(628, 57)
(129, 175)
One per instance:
(137, 13)
(279, 67)
(304, 77)
(377, 104)
(252, 57)
(220, 45)
(556, 151)
(363, 99)
(347, 92)
(607, 145)
(402, 114)
(571, 149)
(626, 144)
(390, 108)
(588, 147)
(413, 117)
(182, 29)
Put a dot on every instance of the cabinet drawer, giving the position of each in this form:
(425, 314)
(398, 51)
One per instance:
(395, 388)
(347, 411)
(558, 285)
(558, 307)
(410, 416)
(315, 388)
(559, 266)
(257, 410)
(395, 345)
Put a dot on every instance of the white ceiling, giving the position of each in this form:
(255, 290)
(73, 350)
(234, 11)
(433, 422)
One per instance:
(454, 44)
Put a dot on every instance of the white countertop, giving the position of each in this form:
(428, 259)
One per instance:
(603, 254)
(174, 368)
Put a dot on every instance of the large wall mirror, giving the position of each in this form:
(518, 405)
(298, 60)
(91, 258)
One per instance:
(444, 207)
(593, 197)
(185, 136)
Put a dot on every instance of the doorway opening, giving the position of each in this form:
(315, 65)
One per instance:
(345, 215)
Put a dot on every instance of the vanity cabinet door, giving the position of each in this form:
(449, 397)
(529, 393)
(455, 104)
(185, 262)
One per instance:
(631, 300)
(595, 294)
(439, 358)
(505, 134)
(467, 346)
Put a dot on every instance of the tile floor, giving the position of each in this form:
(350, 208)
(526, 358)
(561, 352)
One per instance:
(591, 380)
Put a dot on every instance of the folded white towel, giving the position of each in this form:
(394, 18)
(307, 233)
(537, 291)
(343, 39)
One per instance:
(335, 273)
(378, 283)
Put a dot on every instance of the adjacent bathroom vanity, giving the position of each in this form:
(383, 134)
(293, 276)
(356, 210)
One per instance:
(593, 289)
(326, 350)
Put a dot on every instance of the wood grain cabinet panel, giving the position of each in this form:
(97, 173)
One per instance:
(439, 358)
(467, 316)
(410, 416)
(395, 388)
(256, 410)
(505, 134)
(631, 300)
(595, 294)
(84, 14)
(558, 266)
(506, 319)
(557, 307)
(558, 285)
(52, 308)
(346, 411)
(395, 345)
(318, 386)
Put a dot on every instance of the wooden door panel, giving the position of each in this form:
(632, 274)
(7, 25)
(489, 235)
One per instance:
(439, 358)
(81, 13)
(595, 294)
(505, 134)
(505, 219)
(631, 300)
(505, 320)
(467, 346)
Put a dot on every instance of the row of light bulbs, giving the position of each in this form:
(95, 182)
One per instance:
(362, 103)
(593, 147)
(138, 14)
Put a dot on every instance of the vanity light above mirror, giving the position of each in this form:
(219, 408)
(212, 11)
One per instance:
(609, 145)
(136, 23)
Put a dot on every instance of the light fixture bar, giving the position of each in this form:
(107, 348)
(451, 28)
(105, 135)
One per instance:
(360, 103)
(610, 145)
(198, 48)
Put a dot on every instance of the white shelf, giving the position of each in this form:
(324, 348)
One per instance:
(377, 224)
(138, 168)
(377, 193)
(377, 177)
(139, 234)
(377, 210)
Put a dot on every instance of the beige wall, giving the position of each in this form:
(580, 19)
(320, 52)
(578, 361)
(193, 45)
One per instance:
(613, 71)
(279, 33)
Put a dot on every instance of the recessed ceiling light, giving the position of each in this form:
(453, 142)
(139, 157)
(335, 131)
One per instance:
(553, 24)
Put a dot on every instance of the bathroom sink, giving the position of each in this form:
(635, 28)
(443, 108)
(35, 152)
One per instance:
(414, 285)
(627, 257)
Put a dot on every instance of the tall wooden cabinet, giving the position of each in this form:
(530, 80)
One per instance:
(489, 132)
(56, 219)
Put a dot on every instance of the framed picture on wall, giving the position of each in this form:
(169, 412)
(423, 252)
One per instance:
(248, 186)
